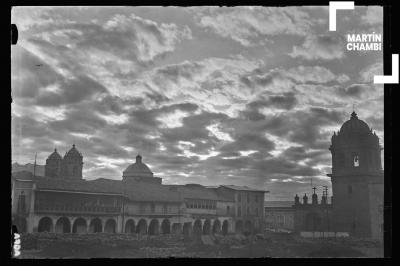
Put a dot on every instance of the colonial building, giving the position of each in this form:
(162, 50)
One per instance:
(357, 186)
(63, 202)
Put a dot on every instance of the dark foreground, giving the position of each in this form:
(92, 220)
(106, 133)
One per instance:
(46, 245)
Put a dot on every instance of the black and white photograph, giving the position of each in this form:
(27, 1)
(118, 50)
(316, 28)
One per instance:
(197, 132)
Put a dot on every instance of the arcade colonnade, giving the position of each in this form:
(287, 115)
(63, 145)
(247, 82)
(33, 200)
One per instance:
(139, 225)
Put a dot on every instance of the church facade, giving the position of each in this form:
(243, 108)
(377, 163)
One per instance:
(63, 202)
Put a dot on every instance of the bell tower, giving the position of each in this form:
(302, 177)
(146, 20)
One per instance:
(357, 180)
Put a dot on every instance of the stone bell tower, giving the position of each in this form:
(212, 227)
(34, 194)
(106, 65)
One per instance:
(357, 180)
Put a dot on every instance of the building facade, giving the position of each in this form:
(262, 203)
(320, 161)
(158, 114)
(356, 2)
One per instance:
(64, 202)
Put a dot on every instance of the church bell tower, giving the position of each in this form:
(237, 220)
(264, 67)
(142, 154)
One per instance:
(357, 180)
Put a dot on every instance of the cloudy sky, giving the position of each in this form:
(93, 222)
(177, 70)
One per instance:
(245, 96)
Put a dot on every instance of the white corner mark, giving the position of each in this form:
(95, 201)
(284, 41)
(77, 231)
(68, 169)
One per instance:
(394, 78)
(335, 5)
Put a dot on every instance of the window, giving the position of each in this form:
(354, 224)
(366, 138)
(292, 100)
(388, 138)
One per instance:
(256, 211)
(153, 207)
(165, 208)
(256, 198)
(356, 160)
(239, 197)
(21, 203)
(248, 211)
(227, 209)
(239, 211)
(248, 197)
(142, 208)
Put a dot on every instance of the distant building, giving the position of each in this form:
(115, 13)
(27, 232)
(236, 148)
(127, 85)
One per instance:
(63, 202)
(279, 215)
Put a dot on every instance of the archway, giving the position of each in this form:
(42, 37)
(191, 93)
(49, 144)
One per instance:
(187, 229)
(216, 227)
(130, 226)
(176, 228)
(79, 226)
(239, 226)
(154, 227)
(313, 222)
(165, 227)
(45, 225)
(207, 227)
(141, 227)
(110, 226)
(20, 223)
(197, 227)
(95, 226)
(248, 227)
(63, 225)
(225, 227)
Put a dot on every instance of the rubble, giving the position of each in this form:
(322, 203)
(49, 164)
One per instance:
(162, 246)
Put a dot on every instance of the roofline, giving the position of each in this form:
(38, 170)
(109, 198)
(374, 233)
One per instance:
(79, 192)
(250, 189)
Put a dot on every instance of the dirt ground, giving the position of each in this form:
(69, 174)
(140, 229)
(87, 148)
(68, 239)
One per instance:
(47, 245)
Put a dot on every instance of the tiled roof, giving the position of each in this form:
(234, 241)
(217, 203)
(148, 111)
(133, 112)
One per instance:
(243, 188)
(278, 204)
(137, 191)
(197, 191)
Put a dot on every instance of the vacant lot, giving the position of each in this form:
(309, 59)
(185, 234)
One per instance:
(46, 245)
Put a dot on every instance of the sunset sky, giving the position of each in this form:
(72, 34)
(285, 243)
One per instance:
(243, 95)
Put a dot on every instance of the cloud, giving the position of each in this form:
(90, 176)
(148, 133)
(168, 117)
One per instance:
(325, 47)
(252, 26)
(373, 15)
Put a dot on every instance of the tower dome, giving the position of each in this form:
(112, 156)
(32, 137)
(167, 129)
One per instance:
(73, 153)
(354, 126)
(54, 156)
(137, 169)
(53, 165)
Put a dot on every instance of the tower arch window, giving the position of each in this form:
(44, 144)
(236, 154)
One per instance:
(356, 160)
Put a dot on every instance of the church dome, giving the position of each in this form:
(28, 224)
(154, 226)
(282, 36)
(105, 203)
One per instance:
(55, 156)
(138, 169)
(73, 153)
(354, 125)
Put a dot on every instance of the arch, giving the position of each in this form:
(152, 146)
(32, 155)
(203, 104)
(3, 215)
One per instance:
(176, 228)
(20, 223)
(248, 227)
(166, 226)
(216, 227)
(141, 227)
(197, 227)
(130, 226)
(187, 229)
(63, 225)
(225, 227)
(45, 225)
(110, 226)
(239, 226)
(154, 227)
(79, 226)
(313, 222)
(207, 227)
(96, 226)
